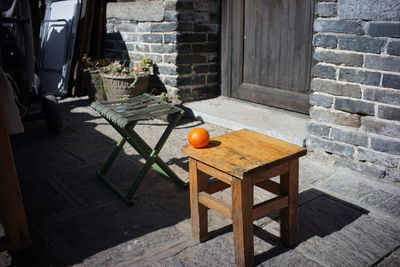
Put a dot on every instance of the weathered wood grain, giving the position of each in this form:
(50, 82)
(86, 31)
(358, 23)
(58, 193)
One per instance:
(244, 152)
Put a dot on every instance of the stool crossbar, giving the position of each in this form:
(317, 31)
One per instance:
(123, 116)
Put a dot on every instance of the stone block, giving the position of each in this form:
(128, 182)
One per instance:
(337, 57)
(325, 40)
(137, 11)
(369, 10)
(318, 129)
(204, 68)
(193, 17)
(355, 106)
(393, 48)
(186, 26)
(322, 100)
(379, 158)
(167, 69)
(206, 28)
(361, 44)
(135, 56)
(212, 37)
(191, 59)
(366, 169)
(169, 58)
(325, 9)
(382, 95)
(203, 48)
(184, 69)
(391, 81)
(359, 76)
(171, 16)
(385, 145)
(131, 37)
(335, 117)
(152, 38)
(349, 137)
(133, 27)
(137, 47)
(338, 26)
(213, 78)
(336, 88)
(389, 113)
(384, 29)
(163, 48)
(164, 27)
(170, 5)
(324, 71)
(170, 81)
(330, 146)
(191, 37)
(184, 5)
(194, 80)
(387, 63)
(169, 38)
(185, 49)
(207, 5)
(382, 127)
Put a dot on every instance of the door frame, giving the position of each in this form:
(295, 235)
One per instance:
(232, 44)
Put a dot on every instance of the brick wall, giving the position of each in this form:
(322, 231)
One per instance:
(355, 114)
(181, 36)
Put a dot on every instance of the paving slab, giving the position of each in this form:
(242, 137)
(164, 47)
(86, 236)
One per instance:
(345, 219)
(235, 115)
(361, 243)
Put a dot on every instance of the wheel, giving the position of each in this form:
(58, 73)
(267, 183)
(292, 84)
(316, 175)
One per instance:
(52, 113)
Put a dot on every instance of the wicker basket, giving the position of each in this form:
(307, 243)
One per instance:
(119, 87)
(95, 85)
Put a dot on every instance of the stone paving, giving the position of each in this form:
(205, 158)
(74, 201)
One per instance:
(344, 219)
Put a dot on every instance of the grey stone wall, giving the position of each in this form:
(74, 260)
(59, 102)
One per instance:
(355, 117)
(181, 36)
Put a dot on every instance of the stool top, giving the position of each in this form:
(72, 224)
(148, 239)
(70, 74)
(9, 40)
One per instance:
(243, 152)
(127, 111)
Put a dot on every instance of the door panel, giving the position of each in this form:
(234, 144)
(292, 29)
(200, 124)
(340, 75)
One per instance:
(271, 51)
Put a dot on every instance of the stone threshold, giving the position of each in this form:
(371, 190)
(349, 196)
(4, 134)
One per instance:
(236, 114)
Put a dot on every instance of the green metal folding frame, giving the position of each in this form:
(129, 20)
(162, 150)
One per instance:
(123, 115)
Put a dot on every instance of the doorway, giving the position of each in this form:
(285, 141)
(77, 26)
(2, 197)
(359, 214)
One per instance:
(267, 52)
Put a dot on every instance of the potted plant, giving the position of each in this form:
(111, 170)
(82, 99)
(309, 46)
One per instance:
(92, 79)
(120, 82)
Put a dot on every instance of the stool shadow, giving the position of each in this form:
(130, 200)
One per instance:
(320, 214)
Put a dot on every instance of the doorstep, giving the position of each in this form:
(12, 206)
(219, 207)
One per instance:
(237, 114)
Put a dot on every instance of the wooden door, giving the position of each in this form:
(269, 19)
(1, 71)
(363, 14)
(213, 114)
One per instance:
(267, 51)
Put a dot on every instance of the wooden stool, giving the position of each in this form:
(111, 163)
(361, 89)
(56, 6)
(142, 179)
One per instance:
(241, 160)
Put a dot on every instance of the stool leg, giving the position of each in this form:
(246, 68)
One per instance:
(112, 156)
(198, 183)
(242, 216)
(288, 216)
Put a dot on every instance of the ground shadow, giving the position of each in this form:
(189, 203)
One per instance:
(72, 214)
(320, 215)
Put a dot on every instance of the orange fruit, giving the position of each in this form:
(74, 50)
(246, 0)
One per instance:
(198, 137)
